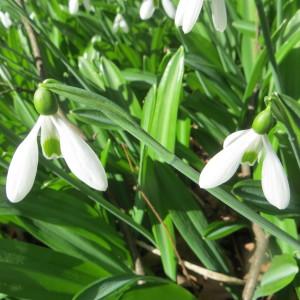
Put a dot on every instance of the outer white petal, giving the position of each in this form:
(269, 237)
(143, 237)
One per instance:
(219, 14)
(147, 9)
(116, 24)
(5, 19)
(73, 6)
(87, 5)
(169, 8)
(233, 136)
(274, 181)
(79, 156)
(124, 25)
(23, 167)
(180, 11)
(192, 12)
(225, 163)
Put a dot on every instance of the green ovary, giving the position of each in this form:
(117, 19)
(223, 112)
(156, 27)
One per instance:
(249, 157)
(51, 148)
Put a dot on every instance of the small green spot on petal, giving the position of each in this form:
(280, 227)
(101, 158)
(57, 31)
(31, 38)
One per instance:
(51, 148)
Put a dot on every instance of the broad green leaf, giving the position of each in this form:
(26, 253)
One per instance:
(31, 272)
(281, 273)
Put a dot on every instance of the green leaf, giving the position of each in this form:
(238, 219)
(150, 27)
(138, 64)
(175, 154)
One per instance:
(281, 273)
(164, 122)
(221, 229)
(133, 287)
(36, 273)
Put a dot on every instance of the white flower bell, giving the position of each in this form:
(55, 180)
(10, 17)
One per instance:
(147, 9)
(5, 19)
(246, 146)
(188, 11)
(58, 138)
(73, 7)
(120, 24)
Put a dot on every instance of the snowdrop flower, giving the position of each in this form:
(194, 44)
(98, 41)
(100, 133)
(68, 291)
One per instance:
(246, 146)
(120, 23)
(58, 139)
(169, 8)
(188, 12)
(87, 5)
(5, 19)
(147, 9)
(73, 7)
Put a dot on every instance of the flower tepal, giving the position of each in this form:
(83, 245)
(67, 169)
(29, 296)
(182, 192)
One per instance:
(247, 146)
(58, 139)
(188, 11)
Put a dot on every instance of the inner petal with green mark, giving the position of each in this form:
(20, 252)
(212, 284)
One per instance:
(51, 148)
(250, 157)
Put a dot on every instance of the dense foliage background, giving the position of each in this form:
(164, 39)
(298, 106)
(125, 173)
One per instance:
(155, 105)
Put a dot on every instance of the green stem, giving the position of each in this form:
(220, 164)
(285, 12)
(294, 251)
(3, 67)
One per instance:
(269, 46)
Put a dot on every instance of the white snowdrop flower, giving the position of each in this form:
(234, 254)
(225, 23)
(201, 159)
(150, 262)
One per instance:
(73, 6)
(247, 146)
(147, 9)
(87, 5)
(120, 23)
(59, 138)
(188, 11)
(5, 19)
(169, 8)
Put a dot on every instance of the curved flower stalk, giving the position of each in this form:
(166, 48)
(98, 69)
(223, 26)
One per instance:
(246, 146)
(188, 11)
(5, 19)
(58, 139)
(147, 9)
(120, 24)
(74, 6)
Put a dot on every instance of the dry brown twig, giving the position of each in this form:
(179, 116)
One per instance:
(197, 269)
(252, 277)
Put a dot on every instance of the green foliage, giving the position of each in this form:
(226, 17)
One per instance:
(154, 104)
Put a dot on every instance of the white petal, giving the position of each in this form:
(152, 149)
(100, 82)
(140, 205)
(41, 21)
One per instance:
(274, 181)
(147, 9)
(23, 167)
(169, 8)
(180, 13)
(87, 5)
(225, 163)
(79, 156)
(191, 15)
(49, 138)
(5, 19)
(73, 6)
(124, 25)
(233, 136)
(219, 14)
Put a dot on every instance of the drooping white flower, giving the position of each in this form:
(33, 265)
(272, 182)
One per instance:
(58, 138)
(73, 7)
(147, 9)
(188, 11)
(5, 19)
(87, 5)
(245, 147)
(169, 8)
(120, 23)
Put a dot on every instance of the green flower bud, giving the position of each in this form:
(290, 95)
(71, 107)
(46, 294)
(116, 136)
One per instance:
(44, 102)
(263, 121)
